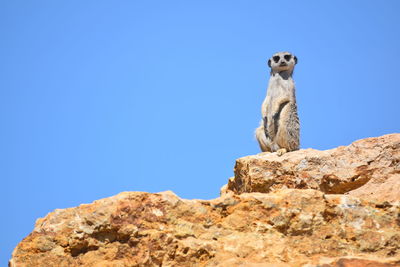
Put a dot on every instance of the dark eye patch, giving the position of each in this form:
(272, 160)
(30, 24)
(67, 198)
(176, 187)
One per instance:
(287, 57)
(276, 58)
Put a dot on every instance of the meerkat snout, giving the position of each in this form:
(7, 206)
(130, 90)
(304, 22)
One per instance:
(282, 61)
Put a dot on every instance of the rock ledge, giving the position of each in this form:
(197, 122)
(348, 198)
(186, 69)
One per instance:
(338, 207)
(367, 168)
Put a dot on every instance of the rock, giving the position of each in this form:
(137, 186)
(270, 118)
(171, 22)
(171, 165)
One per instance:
(367, 168)
(310, 208)
(359, 263)
(289, 227)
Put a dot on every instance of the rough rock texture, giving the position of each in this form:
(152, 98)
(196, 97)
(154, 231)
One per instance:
(367, 168)
(141, 229)
(287, 225)
(358, 263)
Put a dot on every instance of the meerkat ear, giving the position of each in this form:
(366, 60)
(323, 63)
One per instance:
(269, 63)
(295, 60)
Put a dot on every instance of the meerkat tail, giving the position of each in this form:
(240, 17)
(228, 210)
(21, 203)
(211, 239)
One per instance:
(262, 139)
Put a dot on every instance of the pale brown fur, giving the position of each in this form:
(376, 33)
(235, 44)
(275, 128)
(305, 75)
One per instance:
(279, 127)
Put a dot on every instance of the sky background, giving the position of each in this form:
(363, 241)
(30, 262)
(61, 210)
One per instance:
(100, 97)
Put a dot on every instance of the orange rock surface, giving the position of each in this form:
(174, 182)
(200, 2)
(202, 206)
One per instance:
(367, 168)
(306, 208)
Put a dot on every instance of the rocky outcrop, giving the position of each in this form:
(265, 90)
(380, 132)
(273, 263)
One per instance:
(367, 168)
(142, 229)
(316, 211)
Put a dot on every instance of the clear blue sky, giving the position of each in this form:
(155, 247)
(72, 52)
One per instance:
(100, 97)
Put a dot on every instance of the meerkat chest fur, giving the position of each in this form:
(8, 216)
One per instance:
(279, 87)
(279, 90)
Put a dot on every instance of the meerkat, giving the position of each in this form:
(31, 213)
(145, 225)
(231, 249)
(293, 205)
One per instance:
(279, 129)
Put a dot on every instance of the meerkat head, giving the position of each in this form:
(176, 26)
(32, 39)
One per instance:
(282, 61)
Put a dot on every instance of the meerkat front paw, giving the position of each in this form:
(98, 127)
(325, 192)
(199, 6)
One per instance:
(281, 151)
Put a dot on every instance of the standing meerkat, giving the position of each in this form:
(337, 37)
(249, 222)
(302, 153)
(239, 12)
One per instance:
(279, 128)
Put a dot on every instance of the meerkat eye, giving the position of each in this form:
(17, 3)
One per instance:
(276, 59)
(287, 57)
